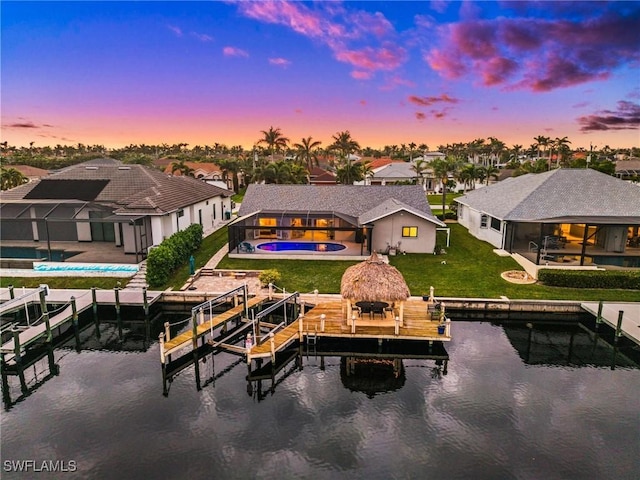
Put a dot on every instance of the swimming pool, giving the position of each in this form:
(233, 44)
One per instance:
(35, 253)
(301, 246)
(84, 267)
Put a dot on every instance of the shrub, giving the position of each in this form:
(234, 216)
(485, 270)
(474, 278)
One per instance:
(269, 276)
(172, 253)
(624, 279)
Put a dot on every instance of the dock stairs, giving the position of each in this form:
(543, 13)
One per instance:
(139, 280)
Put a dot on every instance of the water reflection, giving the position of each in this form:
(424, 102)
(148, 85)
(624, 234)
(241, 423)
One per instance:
(24, 374)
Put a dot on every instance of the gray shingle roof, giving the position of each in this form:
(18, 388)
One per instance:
(556, 194)
(362, 202)
(133, 188)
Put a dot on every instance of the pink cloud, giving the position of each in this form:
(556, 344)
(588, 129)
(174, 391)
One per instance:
(420, 116)
(279, 62)
(388, 57)
(234, 52)
(361, 75)
(625, 117)
(295, 16)
(203, 37)
(176, 30)
(362, 102)
(536, 54)
(371, 23)
(428, 101)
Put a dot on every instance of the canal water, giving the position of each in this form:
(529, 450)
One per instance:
(517, 400)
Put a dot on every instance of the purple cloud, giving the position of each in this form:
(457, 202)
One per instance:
(537, 54)
(279, 62)
(428, 101)
(626, 117)
(234, 52)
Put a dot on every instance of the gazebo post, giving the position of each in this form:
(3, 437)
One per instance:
(402, 313)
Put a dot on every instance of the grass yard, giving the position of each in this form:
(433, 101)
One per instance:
(471, 270)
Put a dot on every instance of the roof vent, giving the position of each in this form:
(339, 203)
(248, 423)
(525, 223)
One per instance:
(124, 168)
(91, 167)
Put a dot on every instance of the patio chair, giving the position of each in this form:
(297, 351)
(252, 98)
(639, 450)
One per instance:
(247, 247)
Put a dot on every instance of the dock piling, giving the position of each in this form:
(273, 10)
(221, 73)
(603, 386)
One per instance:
(619, 326)
(117, 294)
(11, 294)
(161, 342)
(145, 301)
(45, 314)
(599, 316)
(94, 302)
(16, 344)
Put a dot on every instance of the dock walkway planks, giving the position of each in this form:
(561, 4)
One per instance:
(416, 326)
(630, 319)
(186, 338)
(84, 300)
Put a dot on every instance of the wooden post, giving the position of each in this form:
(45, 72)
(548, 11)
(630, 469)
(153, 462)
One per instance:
(322, 319)
(600, 306)
(619, 326)
(11, 294)
(315, 292)
(353, 324)
(161, 342)
(273, 347)
(74, 320)
(397, 329)
(194, 329)
(201, 320)
(16, 344)
(167, 331)
(94, 302)
(300, 327)
(145, 302)
(117, 293)
(270, 291)
(45, 314)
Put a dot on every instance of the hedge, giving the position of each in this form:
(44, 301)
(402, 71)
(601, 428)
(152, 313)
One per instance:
(624, 279)
(172, 253)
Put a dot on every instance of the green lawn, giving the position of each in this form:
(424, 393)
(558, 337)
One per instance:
(471, 269)
(436, 198)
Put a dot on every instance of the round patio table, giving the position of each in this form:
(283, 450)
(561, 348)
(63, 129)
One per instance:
(372, 308)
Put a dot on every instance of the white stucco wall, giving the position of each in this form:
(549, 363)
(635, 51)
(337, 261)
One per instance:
(389, 230)
(471, 219)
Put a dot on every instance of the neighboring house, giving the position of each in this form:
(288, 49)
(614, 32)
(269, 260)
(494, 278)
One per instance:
(431, 156)
(320, 176)
(400, 171)
(32, 173)
(374, 217)
(628, 169)
(564, 216)
(104, 200)
(207, 172)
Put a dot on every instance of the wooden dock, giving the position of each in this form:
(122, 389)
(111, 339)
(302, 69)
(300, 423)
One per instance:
(204, 326)
(327, 319)
(623, 317)
(73, 303)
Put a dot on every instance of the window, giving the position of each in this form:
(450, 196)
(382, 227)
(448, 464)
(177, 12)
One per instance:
(495, 224)
(484, 219)
(409, 231)
(180, 213)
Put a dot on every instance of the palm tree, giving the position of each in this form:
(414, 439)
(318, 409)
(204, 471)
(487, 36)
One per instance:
(345, 145)
(542, 141)
(274, 139)
(442, 169)
(307, 151)
(420, 167)
(562, 146)
(182, 167)
(10, 178)
(491, 172)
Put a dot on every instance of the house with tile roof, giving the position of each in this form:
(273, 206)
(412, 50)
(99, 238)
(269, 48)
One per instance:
(400, 172)
(376, 218)
(130, 206)
(562, 217)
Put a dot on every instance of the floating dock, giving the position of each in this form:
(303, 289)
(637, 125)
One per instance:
(71, 303)
(623, 317)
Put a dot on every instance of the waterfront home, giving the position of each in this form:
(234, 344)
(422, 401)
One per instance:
(393, 218)
(561, 217)
(129, 206)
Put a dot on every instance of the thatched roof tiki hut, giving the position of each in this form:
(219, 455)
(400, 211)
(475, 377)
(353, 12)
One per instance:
(374, 281)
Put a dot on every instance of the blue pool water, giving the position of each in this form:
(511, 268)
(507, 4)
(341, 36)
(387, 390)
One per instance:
(84, 267)
(301, 246)
(35, 253)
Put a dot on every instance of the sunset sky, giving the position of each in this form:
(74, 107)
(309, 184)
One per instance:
(120, 73)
